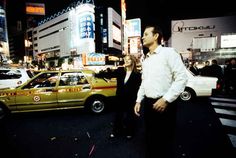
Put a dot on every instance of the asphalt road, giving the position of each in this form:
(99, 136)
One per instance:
(77, 134)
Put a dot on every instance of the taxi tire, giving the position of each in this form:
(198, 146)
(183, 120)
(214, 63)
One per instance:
(96, 104)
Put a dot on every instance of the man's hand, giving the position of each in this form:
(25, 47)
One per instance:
(137, 109)
(160, 105)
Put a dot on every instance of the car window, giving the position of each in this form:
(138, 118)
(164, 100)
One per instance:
(72, 79)
(10, 74)
(43, 80)
(30, 74)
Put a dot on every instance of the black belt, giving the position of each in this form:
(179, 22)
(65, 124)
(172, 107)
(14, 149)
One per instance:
(151, 99)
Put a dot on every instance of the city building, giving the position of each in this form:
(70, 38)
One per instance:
(4, 47)
(205, 39)
(77, 34)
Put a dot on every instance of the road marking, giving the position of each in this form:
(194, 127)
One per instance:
(223, 104)
(228, 122)
(226, 112)
(226, 107)
(232, 139)
(223, 99)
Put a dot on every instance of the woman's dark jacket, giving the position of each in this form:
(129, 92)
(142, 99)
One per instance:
(126, 93)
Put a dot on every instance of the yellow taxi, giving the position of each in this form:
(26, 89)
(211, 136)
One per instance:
(55, 90)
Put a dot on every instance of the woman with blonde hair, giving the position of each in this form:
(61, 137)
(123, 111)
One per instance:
(128, 82)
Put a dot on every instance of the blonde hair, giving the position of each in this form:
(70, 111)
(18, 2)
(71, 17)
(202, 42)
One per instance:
(134, 62)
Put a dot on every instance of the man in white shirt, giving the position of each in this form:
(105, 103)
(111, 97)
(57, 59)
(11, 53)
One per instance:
(163, 79)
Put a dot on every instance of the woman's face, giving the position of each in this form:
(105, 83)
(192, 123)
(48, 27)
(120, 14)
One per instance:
(127, 61)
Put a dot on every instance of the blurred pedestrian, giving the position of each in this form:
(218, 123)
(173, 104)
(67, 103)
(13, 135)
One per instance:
(163, 79)
(205, 71)
(226, 74)
(230, 75)
(216, 70)
(128, 82)
(193, 68)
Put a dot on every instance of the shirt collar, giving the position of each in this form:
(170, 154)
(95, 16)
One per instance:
(156, 51)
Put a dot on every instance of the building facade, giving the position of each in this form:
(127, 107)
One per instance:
(205, 39)
(77, 34)
(4, 46)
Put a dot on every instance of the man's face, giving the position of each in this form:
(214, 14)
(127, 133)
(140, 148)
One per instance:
(148, 37)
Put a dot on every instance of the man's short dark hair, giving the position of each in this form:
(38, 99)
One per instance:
(156, 29)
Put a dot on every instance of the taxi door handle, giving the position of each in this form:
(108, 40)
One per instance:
(48, 90)
(86, 87)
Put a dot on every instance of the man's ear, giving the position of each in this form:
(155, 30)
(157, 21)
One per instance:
(156, 36)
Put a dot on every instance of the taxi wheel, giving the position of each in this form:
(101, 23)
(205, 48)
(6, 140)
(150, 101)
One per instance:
(96, 104)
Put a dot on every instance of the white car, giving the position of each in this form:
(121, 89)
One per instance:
(198, 86)
(11, 77)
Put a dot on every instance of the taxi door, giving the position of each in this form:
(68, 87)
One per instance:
(73, 90)
(38, 94)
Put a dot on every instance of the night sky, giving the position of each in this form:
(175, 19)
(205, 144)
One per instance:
(160, 12)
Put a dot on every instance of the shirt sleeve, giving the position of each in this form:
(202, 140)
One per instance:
(179, 75)
(140, 94)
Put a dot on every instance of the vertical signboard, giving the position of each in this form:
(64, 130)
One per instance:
(4, 45)
(114, 29)
(2, 26)
(134, 45)
(82, 28)
(133, 27)
(133, 33)
(123, 24)
(86, 26)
